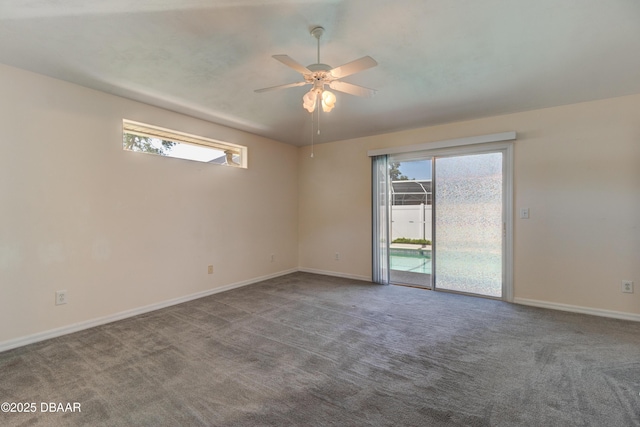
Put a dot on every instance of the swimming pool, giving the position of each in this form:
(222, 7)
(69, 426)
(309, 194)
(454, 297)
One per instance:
(473, 272)
(416, 261)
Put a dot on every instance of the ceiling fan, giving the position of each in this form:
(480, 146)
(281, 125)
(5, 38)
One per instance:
(319, 75)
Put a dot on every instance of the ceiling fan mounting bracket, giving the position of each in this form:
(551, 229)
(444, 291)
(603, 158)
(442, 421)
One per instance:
(317, 32)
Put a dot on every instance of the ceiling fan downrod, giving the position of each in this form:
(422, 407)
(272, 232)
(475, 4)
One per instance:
(317, 32)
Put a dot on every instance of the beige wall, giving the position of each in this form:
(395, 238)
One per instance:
(121, 230)
(577, 168)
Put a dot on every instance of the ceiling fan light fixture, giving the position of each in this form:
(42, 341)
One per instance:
(327, 98)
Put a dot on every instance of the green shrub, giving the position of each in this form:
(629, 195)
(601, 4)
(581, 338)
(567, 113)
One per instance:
(412, 241)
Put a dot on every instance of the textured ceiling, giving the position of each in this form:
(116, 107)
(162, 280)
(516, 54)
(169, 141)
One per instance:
(439, 60)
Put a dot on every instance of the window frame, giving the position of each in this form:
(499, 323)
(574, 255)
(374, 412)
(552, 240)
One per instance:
(151, 131)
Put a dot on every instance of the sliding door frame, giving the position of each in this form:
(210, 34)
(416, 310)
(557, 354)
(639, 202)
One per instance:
(466, 146)
(507, 208)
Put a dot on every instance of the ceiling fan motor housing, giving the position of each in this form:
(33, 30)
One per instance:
(319, 67)
(319, 76)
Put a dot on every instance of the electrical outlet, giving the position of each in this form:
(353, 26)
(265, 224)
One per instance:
(273, 257)
(210, 269)
(337, 256)
(61, 297)
(627, 286)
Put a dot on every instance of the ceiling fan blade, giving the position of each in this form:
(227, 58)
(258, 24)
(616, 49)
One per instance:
(267, 89)
(352, 89)
(353, 67)
(289, 62)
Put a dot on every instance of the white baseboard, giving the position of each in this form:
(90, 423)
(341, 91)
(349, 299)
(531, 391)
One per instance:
(335, 274)
(578, 309)
(53, 333)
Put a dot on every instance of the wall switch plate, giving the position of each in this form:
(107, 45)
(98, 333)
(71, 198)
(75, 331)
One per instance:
(524, 213)
(627, 286)
(61, 297)
(210, 269)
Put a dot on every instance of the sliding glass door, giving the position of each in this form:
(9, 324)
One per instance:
(447, 222)
(469, 223)
(410, 221)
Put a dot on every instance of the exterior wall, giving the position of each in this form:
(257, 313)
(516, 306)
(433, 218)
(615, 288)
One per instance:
(576, 168)
(121, 230)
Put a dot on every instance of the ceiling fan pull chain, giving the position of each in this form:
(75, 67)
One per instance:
(318, 110)
(311, 114)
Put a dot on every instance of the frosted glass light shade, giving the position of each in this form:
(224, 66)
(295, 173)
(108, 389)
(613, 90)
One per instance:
(328, 101)
(309, 100)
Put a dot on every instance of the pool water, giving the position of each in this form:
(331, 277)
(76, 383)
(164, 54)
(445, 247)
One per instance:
(463, 271)
(409, 260)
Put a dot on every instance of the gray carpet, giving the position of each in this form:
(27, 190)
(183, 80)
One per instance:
(310, 350)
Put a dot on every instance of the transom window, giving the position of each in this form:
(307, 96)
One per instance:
(144, 138)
